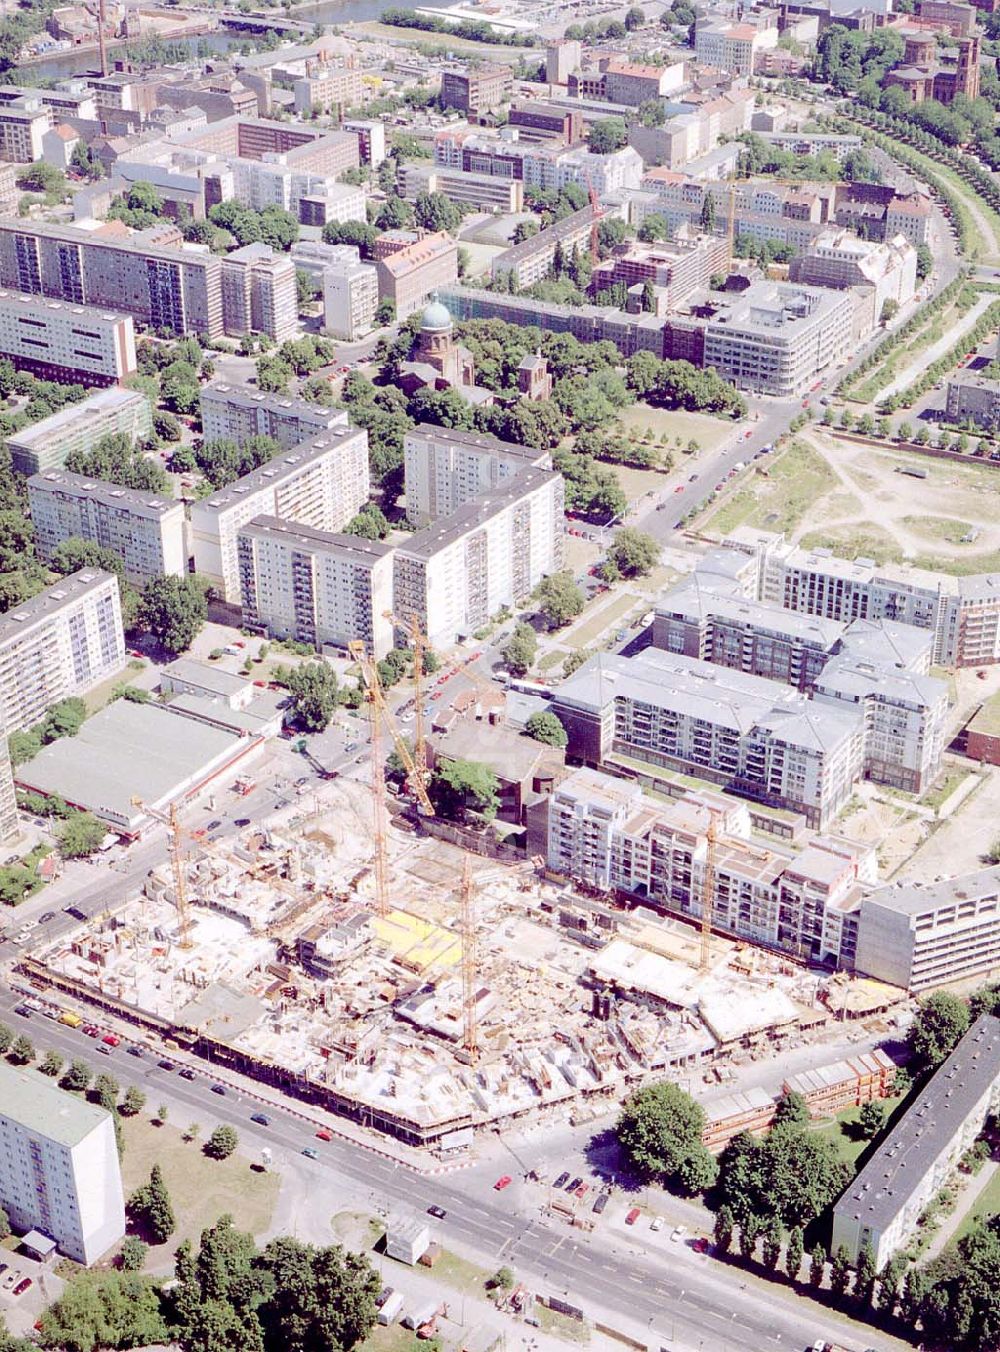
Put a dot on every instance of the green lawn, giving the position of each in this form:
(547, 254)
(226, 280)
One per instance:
(855, 542)
(944, 787)
(561, 1326)
(850, 1147)
(603, 620)
(986, 1204)
(796, 478)
(709, 433)
(939, 527)
(201, 1189)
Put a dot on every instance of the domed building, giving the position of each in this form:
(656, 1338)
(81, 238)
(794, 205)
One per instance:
(439, 362)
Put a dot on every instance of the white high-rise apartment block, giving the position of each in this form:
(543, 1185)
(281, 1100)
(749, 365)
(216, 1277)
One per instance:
(61, 642)
(315, 586)
(350, 299)
(321, 483)
(258, 293)
(23, 124)
(446, 468)
(59, 1171)
(237, 412)
(145, 531)
(59, 341)
(8, 797)
(456, 573)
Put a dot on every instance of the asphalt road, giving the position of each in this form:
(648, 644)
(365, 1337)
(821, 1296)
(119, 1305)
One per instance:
(686, 1300)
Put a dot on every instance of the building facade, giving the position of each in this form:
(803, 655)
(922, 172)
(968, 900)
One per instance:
(146, 532)
(237, 412)
(59, 1171)
(72, 343)
(8, 797)
(258, 293)
(476, 90)
(79, 427)
(315, 586)
(350, 299)
(408, 275)
(61, 642)
(491, 552)
(445, 468)
(321, 483)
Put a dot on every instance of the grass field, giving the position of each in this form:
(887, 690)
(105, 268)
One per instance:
(939, 527)
(901, 357)
(602, 620)
(986, 1204)
(437, 42)
(945, 787)
(796, 479)
(561, 1326)
(850, 1147)
(852, 542)
(201, 1189)
(709, 433)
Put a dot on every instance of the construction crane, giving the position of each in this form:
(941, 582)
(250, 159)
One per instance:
(410, 625)
(375, 698)
(174, 833)
(708, 891)
(470, 966)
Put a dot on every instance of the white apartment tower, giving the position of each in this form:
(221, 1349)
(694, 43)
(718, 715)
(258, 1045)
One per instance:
(350, 298)
(321, 483)
(8, 797)
(315, 586)
(446, 468)
(59, 1171)
(258, 293)
(145, 531)
(61, 642)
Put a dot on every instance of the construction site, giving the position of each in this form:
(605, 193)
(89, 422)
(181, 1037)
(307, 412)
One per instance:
(366, 966)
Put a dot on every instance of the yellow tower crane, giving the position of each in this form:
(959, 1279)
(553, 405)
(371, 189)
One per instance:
(410, 625)
(708, 891)
(470, 966)
(174, 833)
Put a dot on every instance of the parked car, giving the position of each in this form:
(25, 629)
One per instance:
(504, 1181)
(561, 1181)
(219, 1089)
(600, 1202)
(186, 1073)
(112, 1039)
(632, 1216)
(310, 1153)
(22, 1286)
(678, 1233)
(437, 1211)
(324, 1135)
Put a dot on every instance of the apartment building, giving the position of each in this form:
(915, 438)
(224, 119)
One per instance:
(72, 343)
(858, 1079)
(678, 269)
(328, 88)
(350, 298)
(167, 288)
(922, 935)
(8, 796)
(23, 125)
(732, 46)
(491, 552)
(562, 58)
(146, 532)
(476, 90)
(481, 191)
(408, 275)
(445, 468)
(604, 832)
(883, 1203)
(531, 260)
(839, 259)
(61, 642)
(258, 293)
(320, 483)
(625, 83)
(315, 586)
(237, 412)
(537, 121)
(776, 339)
(59, 1170)
(300, 147)
(371, 138)
(79, 427)
(759, 739)
(974, 397)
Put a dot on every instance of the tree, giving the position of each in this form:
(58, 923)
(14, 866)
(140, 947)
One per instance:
(42, 177)
(633, 552)
(174, 610)
(575, 661)
(708, 213)
(610, 133)
(458, 787)
(106, 1310)
(51, 1064)
(560, 599)
(840, 1273)
(77, 1077)
(4, 1233)
(132, 1254)
(519, 651)
(793, 1174)
(504, 1279)
(370, 523)
(64, 719)
(385, 313)
(634, 18)
(791, 1108)
(723, 1234)
(151, 1206)
(222, 1142)
(315, 694)
(319, 1299)
(394, 214)
(864, 1278)
(22, 1051)
(872, 1119)
(133, 1102)
(890, 309)
(771, 1254)
(794, 1252)
(660, 1129)
(436, 211)
(940, 1021)
(546, 727)
(80, 835)
(817, 1266)
(6, 1038)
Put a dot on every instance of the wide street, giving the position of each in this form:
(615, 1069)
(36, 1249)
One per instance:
(687, 1301)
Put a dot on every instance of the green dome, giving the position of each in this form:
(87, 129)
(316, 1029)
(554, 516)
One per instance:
(435, 317)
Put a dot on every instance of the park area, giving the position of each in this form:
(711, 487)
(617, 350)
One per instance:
(860, 501)
(678, 427)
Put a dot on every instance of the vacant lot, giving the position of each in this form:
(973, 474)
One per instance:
(679, 427)
(602, 620)
(795, 481)
(201, 1189)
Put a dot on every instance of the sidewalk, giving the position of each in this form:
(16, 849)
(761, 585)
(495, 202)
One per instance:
(975, 1186)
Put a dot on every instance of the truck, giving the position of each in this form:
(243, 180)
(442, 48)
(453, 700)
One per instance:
(390, 1307)
(421, 1314)
(70, 1018)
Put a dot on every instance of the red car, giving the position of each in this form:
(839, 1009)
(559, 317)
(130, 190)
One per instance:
(582, 1190)
(134, 652)
(700, 1245)
(91, 1029)
(112, 1039)
(22, 1286)
(504, 1181)
(324, 1135)
(632, 1216)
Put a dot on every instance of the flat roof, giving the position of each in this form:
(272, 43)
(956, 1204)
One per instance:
(127, 750)
(248, 396)
(101, 402)
(279, 469)
(700, 596)
(439, 534)
(353, 547)
(138, 502)
(919, 898)
(203, 674)
(38, 609)
(479, 441)
(900, 1165)
(35, 1103)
